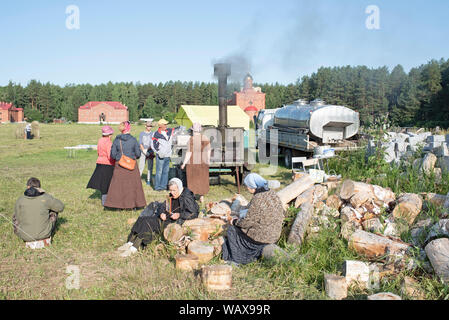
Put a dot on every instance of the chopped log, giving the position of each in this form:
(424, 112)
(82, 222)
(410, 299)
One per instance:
(320, 193)
(411, 288)
(348, 213)
(356, 272)
(428, 163)
(375, 246)
(383, 195)
(433, 198)
(301, 224)
(384, 296)
(306, 196)
(334, 202)
(360, 198)
(331, 185)
(294, 189)
(438, 253)
(173, 232)
(202, 249)
(217, 277)
(335, 286)
(348, 228)
(350, 188)
(203, 228)
(372, 225)
(186, 262)
(221, 209)
(408, 207)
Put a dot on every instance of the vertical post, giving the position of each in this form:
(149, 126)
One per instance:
(237, 172)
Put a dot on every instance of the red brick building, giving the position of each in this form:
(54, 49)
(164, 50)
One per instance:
(112, 112)
(249, 97)
(9, 113)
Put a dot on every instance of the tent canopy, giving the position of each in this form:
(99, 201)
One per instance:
(208, 116)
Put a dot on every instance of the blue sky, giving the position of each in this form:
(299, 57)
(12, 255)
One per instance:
(153, 41)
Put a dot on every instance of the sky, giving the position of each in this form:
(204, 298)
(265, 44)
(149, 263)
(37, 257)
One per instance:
(158, 41)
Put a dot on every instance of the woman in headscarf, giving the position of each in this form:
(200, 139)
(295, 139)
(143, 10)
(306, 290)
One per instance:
(101, 178)
(246, 237)
(180, 206)
(197, 161)
(125, 191)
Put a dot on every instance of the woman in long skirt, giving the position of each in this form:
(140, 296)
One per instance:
(197, 161)
(101, 178)
(125, 191)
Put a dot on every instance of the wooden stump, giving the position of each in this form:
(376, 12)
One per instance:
(375, 246)
(301, 224)
(217, 277)
(438, 253)
(294, 189)
(384, 296)
(428, 163)
(186, 262)
(203, 228)
(221, 209)
(356, 272)
(202, 249)
(408, 207)
(306, 196)
(335, 286)
(173, 232)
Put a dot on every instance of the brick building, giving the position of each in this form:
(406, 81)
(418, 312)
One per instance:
(111, 112)
(249, 98)
(9, 113)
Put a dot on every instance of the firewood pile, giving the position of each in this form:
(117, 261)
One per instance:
(372, 220)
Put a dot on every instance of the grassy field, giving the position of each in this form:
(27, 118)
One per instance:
(87, 237)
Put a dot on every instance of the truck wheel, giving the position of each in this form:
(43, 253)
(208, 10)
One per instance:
(288, 158)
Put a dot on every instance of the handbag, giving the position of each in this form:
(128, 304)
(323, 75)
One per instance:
(126, 162)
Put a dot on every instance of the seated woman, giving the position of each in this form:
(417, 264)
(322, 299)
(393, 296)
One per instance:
(247, 236)
(181, 206)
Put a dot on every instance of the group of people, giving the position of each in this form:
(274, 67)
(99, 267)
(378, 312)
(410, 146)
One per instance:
(118, 177)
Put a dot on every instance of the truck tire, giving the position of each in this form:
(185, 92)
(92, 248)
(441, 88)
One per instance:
(288, 158)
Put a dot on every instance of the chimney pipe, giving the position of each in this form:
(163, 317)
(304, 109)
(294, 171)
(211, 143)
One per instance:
(222, 71)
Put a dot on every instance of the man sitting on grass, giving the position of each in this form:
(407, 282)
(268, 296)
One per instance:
(35, 213)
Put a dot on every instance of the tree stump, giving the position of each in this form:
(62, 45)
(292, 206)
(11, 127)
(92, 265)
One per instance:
(306, 196)
(375, 246)
(186, 262)
(384, 296)
(438, 253)
(217, 277)
(203, 228)
(335, 286)
(173, 232)
(356, 272)
(408, 207)
(294, 189)
(202, 249)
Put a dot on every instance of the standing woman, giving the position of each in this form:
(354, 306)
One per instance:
(125, 191)
(197, 161)
(101, 178)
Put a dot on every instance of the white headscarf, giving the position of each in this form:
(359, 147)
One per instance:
(178, 183)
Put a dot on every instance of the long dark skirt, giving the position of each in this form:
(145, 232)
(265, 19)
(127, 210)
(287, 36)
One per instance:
(240, 248)
(144, 229)
(101, 178)
(125, 190)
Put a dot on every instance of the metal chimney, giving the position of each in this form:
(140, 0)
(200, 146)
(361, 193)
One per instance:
(222, 71)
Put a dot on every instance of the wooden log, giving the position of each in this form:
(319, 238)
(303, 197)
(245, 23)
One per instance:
(186, 262)
(372, 225)
(306, 196)
(334, 202)
(360, 198)
(202, 249)
(203, 228)
(433, 198)
(294, 189)
(412, 288)
(217, 277)
(375, 246)
(173, 232)
(301, 224)
(438, 253)
(320, 193)
(348, 228)
(384, 296)
(348, 213)
(221, 209)
(335, 286)
(408, 207)
(356, 272)
(350, 188)
(383, 195)
(331, 185)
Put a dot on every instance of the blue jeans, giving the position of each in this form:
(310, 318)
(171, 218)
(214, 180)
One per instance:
(162, 165)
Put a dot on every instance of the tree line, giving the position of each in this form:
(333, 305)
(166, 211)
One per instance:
(417, 98)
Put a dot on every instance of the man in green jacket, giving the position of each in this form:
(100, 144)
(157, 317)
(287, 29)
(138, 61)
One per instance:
(35, 213)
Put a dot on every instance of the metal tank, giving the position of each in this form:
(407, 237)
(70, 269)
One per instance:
(330, 123)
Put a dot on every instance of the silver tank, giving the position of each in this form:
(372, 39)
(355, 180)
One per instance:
(327, 122)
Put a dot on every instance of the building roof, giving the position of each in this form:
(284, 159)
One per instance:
(251, 108)
(5, 105)
(114, 104)
(208, 116)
